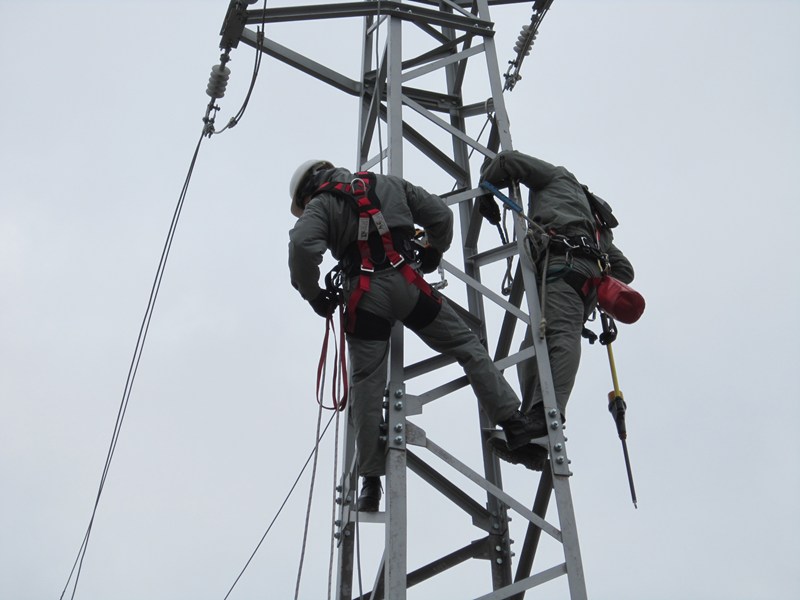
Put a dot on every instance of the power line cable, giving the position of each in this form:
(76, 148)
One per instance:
(283, 504)
(77, 566)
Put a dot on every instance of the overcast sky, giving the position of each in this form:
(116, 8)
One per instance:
(683, 114)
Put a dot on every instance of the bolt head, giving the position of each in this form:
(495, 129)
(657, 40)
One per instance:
(558, 447)
(398, 393)
(398, 427)
(554, 425)
(398, 406)
(499, 561)
(552, 412)
(398, 439)
(560, 460)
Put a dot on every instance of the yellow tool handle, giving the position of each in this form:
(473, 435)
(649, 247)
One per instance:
(613, 370)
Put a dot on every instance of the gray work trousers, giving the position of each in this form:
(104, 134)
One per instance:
(391, 297)
(564, 312)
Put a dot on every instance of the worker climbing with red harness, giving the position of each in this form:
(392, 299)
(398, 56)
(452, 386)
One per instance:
(367, 222)
(572, 248)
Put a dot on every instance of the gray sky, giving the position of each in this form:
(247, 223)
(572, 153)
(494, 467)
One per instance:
(682, 114)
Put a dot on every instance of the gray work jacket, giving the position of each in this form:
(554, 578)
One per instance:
(330, 222)
(557, 202)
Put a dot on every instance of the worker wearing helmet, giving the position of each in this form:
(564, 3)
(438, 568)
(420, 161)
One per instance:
(573, 244)
(329, 221)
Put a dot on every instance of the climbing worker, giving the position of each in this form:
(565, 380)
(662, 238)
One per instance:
(367, 222)
(572, 245)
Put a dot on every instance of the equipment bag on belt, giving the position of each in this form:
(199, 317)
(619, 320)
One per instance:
(618, 300)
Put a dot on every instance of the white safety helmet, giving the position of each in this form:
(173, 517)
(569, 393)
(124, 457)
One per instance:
(296, 183)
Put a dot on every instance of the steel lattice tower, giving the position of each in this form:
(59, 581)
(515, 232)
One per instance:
(460, 33)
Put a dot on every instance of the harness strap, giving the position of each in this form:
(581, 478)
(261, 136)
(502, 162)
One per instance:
(362, 191)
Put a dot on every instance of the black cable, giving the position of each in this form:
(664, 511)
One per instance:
(256, 68)
(275, 518)
(132, 370)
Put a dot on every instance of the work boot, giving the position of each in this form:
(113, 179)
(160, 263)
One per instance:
(370, 498)
(522, 428)
(531, 456)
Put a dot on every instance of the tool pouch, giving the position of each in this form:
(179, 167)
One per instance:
(618, 300)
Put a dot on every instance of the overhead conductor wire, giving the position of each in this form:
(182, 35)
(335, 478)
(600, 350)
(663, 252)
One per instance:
(216, 90)
(132, 370)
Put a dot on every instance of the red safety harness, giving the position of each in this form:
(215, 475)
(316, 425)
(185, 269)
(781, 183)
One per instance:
(361, 190)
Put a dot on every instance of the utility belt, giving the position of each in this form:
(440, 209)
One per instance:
(351, 261)
(579, 245)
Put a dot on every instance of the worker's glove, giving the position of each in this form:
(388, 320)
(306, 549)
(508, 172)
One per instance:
(487, 206)
(325, 303)
(429, 259)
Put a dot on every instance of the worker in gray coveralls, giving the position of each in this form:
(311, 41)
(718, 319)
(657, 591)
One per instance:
(576, 248)
(328, 219)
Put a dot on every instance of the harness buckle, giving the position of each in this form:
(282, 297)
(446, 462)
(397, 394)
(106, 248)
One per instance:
(356, 188)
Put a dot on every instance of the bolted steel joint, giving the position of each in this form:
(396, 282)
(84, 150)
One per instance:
(398, 406)
(558, 447)
(552, 412)
(554, 425)
(398, 439)
(398, 393)
(560, 460)
(398, 427)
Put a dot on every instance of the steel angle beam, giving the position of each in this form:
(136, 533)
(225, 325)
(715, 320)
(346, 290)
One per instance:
(302, 63)
(492, 489)
(435, 65)
(428, 148)
(486, 292)
(455, 132)
(400, 10)
(480, 515)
